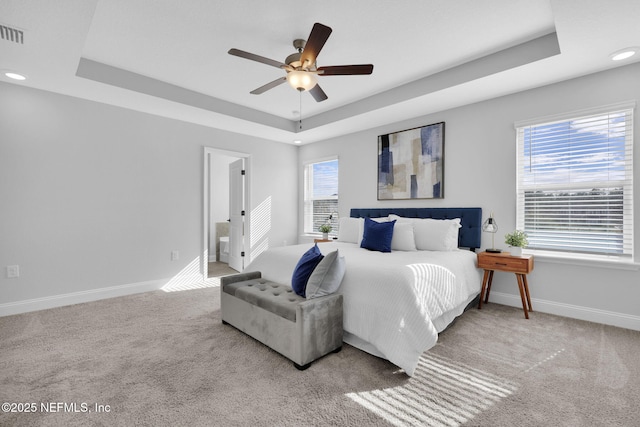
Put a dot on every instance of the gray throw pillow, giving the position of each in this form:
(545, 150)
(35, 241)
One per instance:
(327, 276)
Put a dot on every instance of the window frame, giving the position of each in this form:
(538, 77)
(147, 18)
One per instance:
(623, 260)
(308, 216)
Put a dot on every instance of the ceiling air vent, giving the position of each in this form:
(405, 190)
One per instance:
(11, 34)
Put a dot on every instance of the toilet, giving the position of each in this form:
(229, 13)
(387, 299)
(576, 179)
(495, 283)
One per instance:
(224, 249)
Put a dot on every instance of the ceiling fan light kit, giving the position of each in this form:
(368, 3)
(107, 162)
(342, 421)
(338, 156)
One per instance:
(301, 80)
(301, 68)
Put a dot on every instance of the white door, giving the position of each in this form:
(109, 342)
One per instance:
(236, 215)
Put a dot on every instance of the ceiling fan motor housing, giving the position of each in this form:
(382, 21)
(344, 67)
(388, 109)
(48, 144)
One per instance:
(293, 60)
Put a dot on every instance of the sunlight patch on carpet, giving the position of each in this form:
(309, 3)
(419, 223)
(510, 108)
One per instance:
(442, 393)
(498, 355)
(548, 359)
(177, 287)
(190, 277)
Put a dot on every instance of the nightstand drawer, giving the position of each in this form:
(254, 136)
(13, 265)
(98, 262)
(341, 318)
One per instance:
(505, 262)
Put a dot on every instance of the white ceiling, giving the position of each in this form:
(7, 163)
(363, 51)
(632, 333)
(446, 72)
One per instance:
(170, 57)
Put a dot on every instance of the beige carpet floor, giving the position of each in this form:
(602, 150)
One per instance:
(165, 359)
(217, 269)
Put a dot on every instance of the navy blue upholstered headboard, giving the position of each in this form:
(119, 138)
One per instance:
(470, 219)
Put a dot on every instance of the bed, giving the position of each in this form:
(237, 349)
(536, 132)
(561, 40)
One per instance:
(396, 303)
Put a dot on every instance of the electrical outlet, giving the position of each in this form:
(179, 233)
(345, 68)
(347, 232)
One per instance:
(175, 255)
(13, 271)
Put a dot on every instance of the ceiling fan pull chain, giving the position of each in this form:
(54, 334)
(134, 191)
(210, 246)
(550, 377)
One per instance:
(300, 111)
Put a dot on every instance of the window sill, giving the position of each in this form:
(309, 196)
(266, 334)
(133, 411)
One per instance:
(599, 261)
(318, 235)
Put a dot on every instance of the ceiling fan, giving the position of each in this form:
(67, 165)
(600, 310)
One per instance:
(301, 67)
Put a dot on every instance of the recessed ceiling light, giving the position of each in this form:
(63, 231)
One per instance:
(15, 76)
(297, 141)
(623, 54)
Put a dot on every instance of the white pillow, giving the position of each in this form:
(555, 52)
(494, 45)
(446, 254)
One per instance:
(403, 239)
(401, 219)
(350, 230)
(381, 219)
(327, 276)
(436, 234)
(433, 234)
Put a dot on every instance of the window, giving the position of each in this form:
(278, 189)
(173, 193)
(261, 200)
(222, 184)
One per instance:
(575, 182)
(321, 195)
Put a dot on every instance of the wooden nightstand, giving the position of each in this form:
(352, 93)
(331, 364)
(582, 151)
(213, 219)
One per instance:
(503, 261)
(321, 240)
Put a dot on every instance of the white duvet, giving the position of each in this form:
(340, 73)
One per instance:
(394, 303)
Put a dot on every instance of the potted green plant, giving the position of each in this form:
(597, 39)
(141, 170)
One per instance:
(517, 240)
(325, 229)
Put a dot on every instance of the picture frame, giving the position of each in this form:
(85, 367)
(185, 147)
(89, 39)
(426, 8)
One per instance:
(411, 163)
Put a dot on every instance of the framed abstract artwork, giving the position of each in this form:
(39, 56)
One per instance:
(411, 164)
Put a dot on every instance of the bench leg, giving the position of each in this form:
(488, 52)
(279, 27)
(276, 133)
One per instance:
(301, 367)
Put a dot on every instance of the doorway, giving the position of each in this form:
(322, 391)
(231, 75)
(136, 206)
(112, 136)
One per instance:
(221, 250)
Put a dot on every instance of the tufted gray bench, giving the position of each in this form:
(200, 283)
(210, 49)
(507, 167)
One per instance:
(300, 329)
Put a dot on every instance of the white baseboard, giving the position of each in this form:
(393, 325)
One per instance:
(7, 309)
(573, 311)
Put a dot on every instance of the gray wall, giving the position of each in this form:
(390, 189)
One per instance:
(95, 197)
(480, 158)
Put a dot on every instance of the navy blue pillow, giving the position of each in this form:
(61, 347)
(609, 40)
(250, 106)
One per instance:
(377, 235)
(304, 268)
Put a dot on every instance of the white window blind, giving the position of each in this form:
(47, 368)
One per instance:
(575, 183)
(321, 195)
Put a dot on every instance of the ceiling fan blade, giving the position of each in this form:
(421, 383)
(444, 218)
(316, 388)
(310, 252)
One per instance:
(268, 86)
(257, 58)
(318, 37)
(317, 93)
(346, 70)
